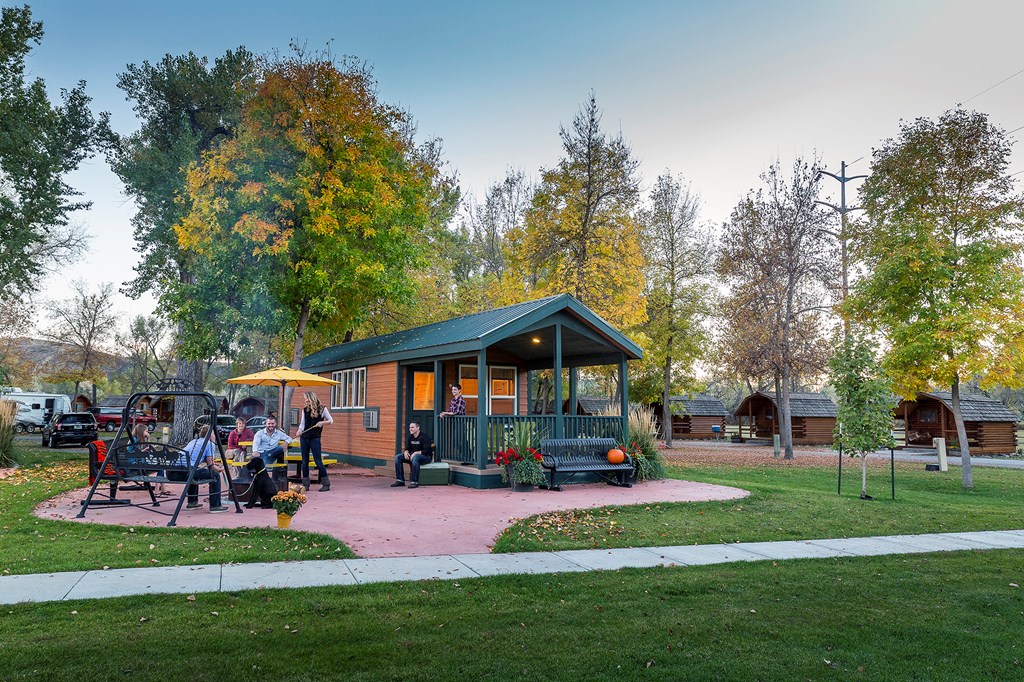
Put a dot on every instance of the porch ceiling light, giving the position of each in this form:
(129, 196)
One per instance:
(535, 340)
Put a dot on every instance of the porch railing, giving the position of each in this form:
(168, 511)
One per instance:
(457, 435)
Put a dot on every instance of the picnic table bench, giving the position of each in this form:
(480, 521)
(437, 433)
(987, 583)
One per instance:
(573, 456)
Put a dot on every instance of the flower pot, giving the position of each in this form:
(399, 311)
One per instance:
(523, 487)
(284, 520)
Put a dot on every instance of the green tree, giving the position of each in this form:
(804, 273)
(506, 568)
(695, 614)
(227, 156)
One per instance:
(679, 269)
(323, 188)
(865, 401)
(941, 249)
(187, 108)
(40, 144)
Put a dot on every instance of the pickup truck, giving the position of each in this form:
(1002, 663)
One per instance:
(109, 418)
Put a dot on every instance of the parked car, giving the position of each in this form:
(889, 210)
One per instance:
(225, 424)
(109, 418)
(70, 427)
(256, 423)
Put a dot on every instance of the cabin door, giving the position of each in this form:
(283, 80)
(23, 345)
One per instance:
(419, 398)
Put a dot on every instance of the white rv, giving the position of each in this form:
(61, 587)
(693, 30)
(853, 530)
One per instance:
(35, 409)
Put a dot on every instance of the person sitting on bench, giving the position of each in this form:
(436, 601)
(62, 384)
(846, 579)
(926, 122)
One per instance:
(419, 450)
(268, 445)
(195, 449)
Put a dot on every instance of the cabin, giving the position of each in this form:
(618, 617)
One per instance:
(81, 403)
(991, 427)
(249, 407)
(813, 417)
(693, 416)
(387, 381)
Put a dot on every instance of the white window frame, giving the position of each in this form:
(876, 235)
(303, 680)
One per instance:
(350, 393)
(514, 396)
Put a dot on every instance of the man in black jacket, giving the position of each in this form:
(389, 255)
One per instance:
(419, 450)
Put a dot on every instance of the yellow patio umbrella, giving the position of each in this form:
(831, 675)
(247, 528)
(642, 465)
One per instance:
(283, 376)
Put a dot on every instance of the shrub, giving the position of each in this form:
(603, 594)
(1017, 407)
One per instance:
(642, 444)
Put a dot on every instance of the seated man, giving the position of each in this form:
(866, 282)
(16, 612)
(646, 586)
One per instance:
(419, 450)
(267, 443)
(196, 449)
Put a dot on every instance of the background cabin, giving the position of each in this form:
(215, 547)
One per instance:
(991, 427)
(693, 416)
(813, 417)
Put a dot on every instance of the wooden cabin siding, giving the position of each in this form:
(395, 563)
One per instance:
(347, 435)
(814, 430)
(993, 438)
(685, 426)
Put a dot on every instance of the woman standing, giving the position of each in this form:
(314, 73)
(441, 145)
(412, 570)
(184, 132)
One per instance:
(314, 418)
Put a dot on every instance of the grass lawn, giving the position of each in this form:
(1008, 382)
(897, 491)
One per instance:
(788, 502)
(32, 545)
(951, 616)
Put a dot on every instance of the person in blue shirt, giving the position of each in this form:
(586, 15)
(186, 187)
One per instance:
(200, 450)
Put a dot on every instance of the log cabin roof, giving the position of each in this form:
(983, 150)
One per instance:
(800, 404)
(974, 407)
(585, 337)
(701, 406)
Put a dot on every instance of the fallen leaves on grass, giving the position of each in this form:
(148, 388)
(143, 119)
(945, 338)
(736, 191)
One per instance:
(593, 525)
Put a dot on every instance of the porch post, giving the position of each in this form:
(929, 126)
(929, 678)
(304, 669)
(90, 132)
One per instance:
(438, 408)
(481, 409)
(624, 383)
(573, 380)
(529, 391)
(559, 419)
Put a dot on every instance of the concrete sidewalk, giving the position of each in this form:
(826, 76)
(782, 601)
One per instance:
(236, 577)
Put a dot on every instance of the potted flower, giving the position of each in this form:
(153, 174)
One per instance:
(520, 462)
(288, 503)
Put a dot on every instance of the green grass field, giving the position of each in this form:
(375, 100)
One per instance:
(921, 617)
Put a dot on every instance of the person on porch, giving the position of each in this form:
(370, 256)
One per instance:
(457, 406)
(419, 450)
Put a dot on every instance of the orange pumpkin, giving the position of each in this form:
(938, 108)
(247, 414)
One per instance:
(616, 456)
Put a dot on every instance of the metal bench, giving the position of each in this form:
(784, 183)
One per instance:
(571, 456)
(146, 464)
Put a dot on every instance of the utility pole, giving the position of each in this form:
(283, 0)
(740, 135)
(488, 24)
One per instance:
(842, 209)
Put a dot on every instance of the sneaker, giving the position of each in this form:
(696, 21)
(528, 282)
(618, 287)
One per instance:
(398, 484)
(193, 505)
(218, 510)
(414, 485)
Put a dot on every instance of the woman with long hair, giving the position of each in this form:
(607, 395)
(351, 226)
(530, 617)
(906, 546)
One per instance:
(311, 425)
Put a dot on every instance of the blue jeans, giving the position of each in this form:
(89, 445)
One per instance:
(202, 476)
(275, 455)
(308, 445)
(417, 462)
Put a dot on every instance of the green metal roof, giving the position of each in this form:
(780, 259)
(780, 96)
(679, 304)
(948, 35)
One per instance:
(468, 334)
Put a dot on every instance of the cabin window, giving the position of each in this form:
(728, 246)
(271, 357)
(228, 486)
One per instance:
(928, 415)
(350, 392)
(503, 390)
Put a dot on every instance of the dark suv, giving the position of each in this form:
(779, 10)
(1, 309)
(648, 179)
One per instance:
(225, 425)
(70, 427)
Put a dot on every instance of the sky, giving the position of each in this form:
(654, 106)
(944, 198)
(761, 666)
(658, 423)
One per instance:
(710, 91)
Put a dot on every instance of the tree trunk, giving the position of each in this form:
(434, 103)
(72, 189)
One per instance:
(961, 435)
(284, 419)
(187, 410)
(666, 418)
(785, 420)
(863, 475)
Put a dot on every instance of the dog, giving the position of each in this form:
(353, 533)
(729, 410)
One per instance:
(262, 487)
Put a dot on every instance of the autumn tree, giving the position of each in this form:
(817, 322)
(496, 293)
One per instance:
(40, 144)
(679, 269)
(777, 261)
(187, 107)
(84, 322)
(323, 188)
(942, 250)
(581, 236)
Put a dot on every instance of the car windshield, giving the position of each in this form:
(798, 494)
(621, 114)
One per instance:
(77, 419)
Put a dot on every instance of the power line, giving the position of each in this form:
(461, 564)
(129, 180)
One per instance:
(994, 86)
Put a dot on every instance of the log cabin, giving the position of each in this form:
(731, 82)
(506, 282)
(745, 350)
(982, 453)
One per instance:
(991, 427)
(813, 417)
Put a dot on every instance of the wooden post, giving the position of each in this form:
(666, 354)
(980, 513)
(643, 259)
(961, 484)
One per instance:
(481, 409)
(559, 419)
(906, 425)
(624, 382)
